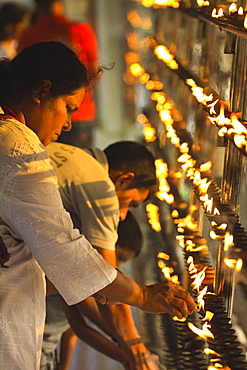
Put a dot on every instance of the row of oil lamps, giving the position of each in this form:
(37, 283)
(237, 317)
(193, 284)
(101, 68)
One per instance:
(221, 228)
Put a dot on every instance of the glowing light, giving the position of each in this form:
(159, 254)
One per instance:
(192, 269)
(240, 10)
(239, 264)
(200, 96)
(214, 236)
(134, 18)
(209, 351)
(238, 126)
(184, 148)
(240, 141)
(153, 216)
(144, 78)
(163, 255)
(234, 264)
(219, 14)
(231, 263)
(136, 70)
(222, 226)
(214, 13)
(208, 317)
(245, 21)
(163, 53)
(175, 213)
(211, 106)
(205, 166)
(149, 133)
(175, 318)
(228, 241)
(216, 211)
(204, 185)
(200, 276)
(202, 3)
(232, 8)
(204, 332)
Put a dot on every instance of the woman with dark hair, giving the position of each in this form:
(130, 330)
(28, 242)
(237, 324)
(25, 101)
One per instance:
(39, 91)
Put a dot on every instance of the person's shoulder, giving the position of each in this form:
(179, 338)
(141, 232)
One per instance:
(70, 155)
(99, 155)
(18, 139)
(55, 147)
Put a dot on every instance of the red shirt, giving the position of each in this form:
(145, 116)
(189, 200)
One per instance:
(78, 36)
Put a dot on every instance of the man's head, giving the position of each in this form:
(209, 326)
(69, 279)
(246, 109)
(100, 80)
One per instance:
(132, 170)
(129, 241)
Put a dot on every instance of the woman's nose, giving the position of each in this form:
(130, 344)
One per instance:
(67, 126)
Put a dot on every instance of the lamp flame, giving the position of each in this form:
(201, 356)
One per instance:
(228, 241)
(240, 10)
(232, 8)
(204, 332)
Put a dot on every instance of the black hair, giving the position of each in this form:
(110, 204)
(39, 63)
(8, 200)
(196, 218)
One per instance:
(132, 156)
(129, 234)
(11, 13)
(48, 60)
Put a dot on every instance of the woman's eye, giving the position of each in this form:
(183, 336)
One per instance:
(69, 110)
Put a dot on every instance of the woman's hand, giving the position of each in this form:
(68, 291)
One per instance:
(167, 297)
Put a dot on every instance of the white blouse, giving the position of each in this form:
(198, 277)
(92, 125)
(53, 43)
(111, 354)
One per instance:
(39, 235)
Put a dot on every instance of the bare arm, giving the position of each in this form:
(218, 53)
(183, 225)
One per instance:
(92, 337)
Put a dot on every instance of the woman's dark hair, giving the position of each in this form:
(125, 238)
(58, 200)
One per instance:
(11, 13)
(49, 60)
(129, 234)
(131, 156)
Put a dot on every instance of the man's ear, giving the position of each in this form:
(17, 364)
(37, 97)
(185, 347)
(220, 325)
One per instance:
(122, 182)
(43, 88)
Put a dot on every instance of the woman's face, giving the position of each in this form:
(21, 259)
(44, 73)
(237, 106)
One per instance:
(48, 116)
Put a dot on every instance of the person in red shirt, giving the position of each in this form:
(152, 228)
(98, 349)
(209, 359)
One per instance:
(50, 23)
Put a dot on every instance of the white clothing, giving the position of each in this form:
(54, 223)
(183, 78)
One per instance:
(87, 192)
(39, 235)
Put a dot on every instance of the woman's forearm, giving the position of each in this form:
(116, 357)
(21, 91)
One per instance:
(124, 290)
(165, 297)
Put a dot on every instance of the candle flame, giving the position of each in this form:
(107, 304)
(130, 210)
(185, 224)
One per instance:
(149, 133)
(240, 10)
(153, 216)
(216, 211)
(231, 263)
(222, 226)
(184, 148)
(204, 332)
(214, 13)
(163, 255)
(200, 299)
(209, 351)
(245, 21)
(208, 316)
(163, 53)
(232, 8)
(175, 318)
(214, 236)
(211, 106)
(205, 166)
(239, 265)
(228, 241)
(136, 69)
(199, 277)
